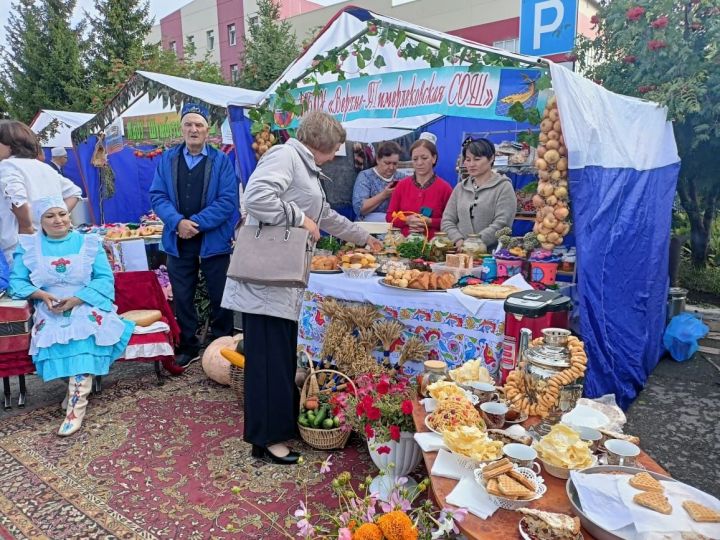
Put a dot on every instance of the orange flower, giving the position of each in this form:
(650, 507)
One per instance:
(397, 525)
(399, 215)
(368, 531)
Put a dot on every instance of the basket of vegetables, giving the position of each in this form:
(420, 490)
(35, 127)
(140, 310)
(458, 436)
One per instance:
(317, 424)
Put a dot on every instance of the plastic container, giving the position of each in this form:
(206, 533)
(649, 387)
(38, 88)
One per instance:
(543, 272)
(508, 267)
(489, 269)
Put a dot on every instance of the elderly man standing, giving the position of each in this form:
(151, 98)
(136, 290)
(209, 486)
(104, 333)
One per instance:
(59, 159)
(195, 194)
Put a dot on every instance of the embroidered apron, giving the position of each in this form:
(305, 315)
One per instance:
(63, 276)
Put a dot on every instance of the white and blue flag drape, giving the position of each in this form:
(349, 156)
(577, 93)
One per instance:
(623, 173)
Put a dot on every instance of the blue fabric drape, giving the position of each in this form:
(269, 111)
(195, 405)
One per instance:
(622, 224)
(243, 139)
(133, 177)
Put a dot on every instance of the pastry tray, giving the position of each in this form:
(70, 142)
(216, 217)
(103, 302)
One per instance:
(382, 282)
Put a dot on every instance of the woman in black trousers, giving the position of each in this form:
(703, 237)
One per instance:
(286, 181)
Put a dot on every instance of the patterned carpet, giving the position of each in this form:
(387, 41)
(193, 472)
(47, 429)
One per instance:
(153, 462)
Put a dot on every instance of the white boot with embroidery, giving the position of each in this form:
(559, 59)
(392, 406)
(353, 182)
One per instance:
(79, 389)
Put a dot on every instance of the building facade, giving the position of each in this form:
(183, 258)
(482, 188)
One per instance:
(217, 27)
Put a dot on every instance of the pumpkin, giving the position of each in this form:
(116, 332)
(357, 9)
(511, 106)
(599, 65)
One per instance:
(213, 364)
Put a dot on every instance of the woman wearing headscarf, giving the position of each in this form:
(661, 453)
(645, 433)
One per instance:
(76, 330)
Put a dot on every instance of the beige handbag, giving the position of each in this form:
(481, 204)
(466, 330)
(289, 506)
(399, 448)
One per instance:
(274, 255)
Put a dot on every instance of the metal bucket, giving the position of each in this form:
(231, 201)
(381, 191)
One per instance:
(676, 301)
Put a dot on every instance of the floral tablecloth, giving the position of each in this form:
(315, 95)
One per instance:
(453, 333)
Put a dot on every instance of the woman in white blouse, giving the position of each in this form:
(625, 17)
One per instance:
(24, 179)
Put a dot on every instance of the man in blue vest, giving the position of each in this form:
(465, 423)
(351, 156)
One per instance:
(195, 194)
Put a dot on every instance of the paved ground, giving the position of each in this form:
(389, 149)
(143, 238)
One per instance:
(677, 416)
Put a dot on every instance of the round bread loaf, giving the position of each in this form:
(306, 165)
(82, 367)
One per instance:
(142, 317)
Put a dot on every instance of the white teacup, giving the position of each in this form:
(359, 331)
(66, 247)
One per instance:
(494, 414)
(485, 391)
(522, 455)
(621, 452)
(590, 435)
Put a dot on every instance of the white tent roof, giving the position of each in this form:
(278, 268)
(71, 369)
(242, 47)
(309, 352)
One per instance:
(153, 93)
(371, 130)
(351, 23)
(66, 121)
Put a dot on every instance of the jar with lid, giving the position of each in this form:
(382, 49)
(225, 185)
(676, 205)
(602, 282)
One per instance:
(543, 362)
(435, 370)
(393, 238)
(439, 246)
(474, 247)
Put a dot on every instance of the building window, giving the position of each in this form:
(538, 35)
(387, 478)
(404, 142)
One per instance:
(173, 46)
(210, 39)
(190, 42)
(252, 20)
(232, 35)
(510, 45)
(234, 73)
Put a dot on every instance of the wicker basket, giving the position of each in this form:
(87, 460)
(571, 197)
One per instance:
(322, 439)
(237, 382)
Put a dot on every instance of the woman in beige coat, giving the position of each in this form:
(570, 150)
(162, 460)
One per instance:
(287, 178)
(484, 202)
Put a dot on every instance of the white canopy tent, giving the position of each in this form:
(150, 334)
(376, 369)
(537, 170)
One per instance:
(63, 123)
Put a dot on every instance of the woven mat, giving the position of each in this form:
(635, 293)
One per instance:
(154, 462)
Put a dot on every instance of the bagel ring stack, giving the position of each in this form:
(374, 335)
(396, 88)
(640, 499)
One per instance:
(540, 401)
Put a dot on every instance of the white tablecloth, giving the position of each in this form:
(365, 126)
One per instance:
(453, 332)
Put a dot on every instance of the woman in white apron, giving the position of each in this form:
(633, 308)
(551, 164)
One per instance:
(76, 330)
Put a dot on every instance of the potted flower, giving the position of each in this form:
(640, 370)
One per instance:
(381, 410)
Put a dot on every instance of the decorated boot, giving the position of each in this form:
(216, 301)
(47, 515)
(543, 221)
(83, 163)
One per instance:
(79, 389)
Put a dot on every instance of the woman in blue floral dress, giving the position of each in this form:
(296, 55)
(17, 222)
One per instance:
(76, 332)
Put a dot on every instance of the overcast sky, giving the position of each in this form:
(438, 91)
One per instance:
(158, 9)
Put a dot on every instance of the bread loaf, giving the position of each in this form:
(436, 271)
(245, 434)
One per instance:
(142, 317)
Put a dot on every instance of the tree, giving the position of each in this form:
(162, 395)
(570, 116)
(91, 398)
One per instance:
(41, 65)
(667, 51)
(269, 49)
(117, 33)
(158, 60)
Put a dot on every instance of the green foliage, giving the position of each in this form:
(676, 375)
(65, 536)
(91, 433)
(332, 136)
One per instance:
(706, 280)
(270, 47)
(667, 51)
(41, 65)
(118, 33)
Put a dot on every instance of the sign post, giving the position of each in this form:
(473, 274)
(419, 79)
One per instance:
(547, 26)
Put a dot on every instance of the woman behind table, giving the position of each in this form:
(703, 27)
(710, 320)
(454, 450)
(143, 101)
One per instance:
(76, 330)
(424, 193)
(374, 187)
(484, 202)
(287, 179)
(23, 179)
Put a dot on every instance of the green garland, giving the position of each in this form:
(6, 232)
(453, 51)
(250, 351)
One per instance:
(446, 52)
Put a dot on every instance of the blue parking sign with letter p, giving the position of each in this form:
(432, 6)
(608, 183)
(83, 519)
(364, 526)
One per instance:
(547, 26)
